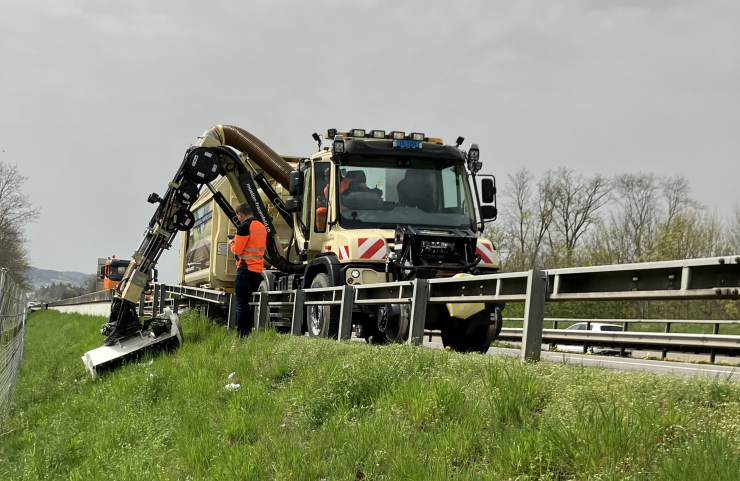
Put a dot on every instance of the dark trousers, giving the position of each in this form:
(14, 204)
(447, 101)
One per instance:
(245, 284)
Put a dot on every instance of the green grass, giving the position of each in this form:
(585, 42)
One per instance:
(322, 410)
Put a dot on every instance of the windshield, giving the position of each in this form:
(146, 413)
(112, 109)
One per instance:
(386, 191)
(116, 271)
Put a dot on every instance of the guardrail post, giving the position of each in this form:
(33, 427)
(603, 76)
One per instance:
(142, 300)
(263, 313)
(534, 315)
(298, 312)
(419, 311)
(175, 303)
(231, 316)
(155, 300)
(664, 352)
(713, 353)
(345, 313)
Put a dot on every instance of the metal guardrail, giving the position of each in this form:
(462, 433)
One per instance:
(710, 278)
(625, 341)
(12, 337)
(93, 297)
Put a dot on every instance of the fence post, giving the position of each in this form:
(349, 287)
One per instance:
(345, 313)
(298, 311)
(231, 316)
(263, 314)
(534, 314)
(419, 311)
(142, 300)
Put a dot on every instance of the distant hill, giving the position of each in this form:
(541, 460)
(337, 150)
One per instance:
(46, 277)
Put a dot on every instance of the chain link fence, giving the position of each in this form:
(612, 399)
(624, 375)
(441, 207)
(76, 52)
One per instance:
(13, 305)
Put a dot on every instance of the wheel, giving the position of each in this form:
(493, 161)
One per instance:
(370, 331)
(323, 321)
(393, 322)
(464, 335)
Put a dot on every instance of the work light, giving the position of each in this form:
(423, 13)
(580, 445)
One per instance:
(473, 153)
(338, 146)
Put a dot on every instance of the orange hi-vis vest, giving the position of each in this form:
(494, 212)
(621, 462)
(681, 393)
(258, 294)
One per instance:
(321, 219)
(249, 245)
(343, 186)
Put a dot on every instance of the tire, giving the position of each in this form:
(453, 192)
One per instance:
(370, 331)
(322, 321)
(397, 319)
(464, 335)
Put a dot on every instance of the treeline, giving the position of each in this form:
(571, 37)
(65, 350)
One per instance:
(565, 219)
(15, 212)
(59, 291)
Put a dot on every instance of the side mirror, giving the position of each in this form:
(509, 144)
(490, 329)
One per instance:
(488, 189)
(488, 212)
(295, 187)
(292, 204)
(101, 275)
(155, 275)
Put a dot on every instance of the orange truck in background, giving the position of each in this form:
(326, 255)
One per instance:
(110, 272)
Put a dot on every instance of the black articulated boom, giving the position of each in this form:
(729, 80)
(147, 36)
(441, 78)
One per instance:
(201, 166)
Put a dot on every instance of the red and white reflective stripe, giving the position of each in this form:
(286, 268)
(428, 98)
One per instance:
(343, 253)
(371, 248)
(485, 252)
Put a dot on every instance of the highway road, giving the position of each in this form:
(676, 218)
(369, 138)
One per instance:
(713, 371)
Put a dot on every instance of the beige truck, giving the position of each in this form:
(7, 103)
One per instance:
(371, 207)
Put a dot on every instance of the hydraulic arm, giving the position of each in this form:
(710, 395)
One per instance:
(201, 166)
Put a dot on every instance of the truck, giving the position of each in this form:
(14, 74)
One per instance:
(351, 212)
(371, 207)
(110, 272)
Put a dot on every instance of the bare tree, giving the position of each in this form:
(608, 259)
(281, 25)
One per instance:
(676, 192)
(734, 233)
(576, 203)
(15, 211)
(637, 194)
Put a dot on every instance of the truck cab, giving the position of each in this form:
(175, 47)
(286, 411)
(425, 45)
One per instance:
(112, 271)
(383, 207)
(351, 204)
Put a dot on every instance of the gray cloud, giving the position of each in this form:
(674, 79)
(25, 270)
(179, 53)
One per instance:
(99, 100)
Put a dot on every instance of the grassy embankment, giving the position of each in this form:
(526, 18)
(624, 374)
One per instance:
(311, 409)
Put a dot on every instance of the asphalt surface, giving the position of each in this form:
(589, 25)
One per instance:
(713, 371)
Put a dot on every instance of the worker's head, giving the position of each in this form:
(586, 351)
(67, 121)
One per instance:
(243, 212)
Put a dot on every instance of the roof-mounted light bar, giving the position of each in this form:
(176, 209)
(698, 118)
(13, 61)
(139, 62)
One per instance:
(381, 134)
(377, 134)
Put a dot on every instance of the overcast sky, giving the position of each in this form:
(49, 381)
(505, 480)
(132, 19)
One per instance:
(99, 99)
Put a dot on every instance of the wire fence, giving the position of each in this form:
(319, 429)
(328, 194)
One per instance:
(12, 337)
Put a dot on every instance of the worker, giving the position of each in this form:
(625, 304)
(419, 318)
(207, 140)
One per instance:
(347, 185)
(249, 248)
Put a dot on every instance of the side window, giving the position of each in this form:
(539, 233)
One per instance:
(451, 188)
(306, 207)
(323, 170)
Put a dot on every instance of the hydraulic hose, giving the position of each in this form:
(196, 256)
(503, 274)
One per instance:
(274, 257)
(257, 151)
